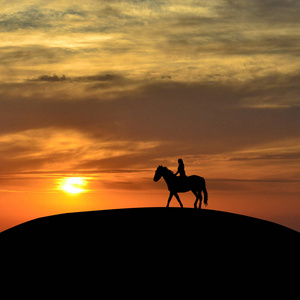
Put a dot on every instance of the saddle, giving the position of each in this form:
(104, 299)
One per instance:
(182, 181)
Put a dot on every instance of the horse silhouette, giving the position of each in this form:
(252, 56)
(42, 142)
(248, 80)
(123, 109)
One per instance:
(176, 185)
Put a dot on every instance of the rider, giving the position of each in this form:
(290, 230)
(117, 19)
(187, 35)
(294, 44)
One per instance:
(180, 171)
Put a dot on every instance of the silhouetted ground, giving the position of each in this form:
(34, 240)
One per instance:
(153, 227)
(152, 248)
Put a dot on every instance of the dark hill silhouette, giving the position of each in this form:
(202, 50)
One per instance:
(166, 225)
(150, 251)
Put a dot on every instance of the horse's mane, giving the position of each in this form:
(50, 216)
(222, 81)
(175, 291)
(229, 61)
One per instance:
(171, 172)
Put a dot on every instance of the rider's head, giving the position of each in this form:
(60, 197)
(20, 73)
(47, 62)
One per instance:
(180, 161)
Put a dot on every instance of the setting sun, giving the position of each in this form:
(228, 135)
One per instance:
(74, 185)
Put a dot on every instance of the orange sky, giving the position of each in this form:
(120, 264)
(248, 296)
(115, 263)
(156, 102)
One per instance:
(108, 90)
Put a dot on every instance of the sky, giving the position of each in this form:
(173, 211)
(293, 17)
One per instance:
(105, 91)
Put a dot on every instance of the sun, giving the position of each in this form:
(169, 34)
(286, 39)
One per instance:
(74, 185)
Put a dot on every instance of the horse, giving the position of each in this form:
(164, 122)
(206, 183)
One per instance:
(176, 185)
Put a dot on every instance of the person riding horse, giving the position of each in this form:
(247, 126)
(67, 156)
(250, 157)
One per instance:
(182, 184)
(180, 170)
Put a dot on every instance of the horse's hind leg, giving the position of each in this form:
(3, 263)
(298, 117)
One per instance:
(196, 201)
(200, 198)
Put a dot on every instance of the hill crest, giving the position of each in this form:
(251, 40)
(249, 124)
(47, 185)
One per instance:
(147, 222)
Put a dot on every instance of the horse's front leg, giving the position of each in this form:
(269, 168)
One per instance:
(169, 200)
(178, 199)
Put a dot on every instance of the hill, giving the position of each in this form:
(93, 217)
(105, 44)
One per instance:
(149, 225)
(149, 250)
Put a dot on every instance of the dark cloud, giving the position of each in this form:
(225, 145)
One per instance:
(272, 157)
(109, 10)
(227, 40)
(100, 77)
(269, 10)
(51, 78)
(202, 118)
(91, 78)
(32, 17)
(235, 28)
(106, 17)
(37, 17)
(15, 58)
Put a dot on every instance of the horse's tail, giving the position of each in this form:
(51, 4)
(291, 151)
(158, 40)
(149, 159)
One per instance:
(205, 194)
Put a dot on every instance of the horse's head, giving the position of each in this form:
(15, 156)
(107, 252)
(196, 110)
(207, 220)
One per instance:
(158, 173)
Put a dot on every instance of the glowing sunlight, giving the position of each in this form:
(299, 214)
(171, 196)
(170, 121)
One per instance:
(73, 185)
